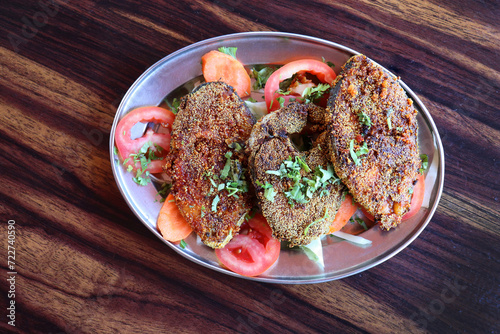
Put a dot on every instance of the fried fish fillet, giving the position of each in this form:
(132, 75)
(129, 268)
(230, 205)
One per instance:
(291, 213)
(206, 161)
(373, 139)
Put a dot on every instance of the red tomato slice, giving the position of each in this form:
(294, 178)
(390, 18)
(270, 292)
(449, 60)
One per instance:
(253, 250)
(321, 70)
(127, 146)
(417, 199)
(345, 212)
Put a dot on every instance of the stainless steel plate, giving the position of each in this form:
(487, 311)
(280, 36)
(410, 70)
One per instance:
(341, 258)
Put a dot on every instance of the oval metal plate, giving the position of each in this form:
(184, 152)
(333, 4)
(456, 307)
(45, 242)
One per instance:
(341, 259)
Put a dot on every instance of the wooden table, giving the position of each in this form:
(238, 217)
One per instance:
(86, 264)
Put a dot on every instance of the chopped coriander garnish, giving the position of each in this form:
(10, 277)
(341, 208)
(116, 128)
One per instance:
(302, 164)
(281, 101)
(233, 175)
(425, 163)
(225, 171)
(363, 150)
(303, 188)
(365, 119)
(311, 94)
(215, 202)
(144, 157)
(140, 178)
(355, 155)
(229, 51)
(269, 192)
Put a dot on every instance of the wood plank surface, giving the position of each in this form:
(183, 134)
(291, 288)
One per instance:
(86, 264)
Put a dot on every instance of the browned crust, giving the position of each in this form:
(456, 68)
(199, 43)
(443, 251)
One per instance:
(209, 119)
(383, 181)
(268, 146)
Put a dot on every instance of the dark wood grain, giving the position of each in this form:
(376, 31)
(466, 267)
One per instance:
(86, 264)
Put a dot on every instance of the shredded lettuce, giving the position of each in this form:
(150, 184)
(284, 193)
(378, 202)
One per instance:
(314, 251)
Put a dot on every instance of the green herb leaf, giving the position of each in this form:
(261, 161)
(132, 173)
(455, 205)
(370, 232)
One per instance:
(311, 94)
(302, 164)
(281, 101)
(365, 119)
(425, 163)
(353, 154)
(227, 167)
(303, 187)
(183, 244)
(215, 202)
(229, 51)
(269, 192)
(363, 150)
(261, 75)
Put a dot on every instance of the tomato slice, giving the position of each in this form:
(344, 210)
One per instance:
(253, 250)
(220, 66)
(345, 212)
(417, 199)
(321, 70)
(127, 146)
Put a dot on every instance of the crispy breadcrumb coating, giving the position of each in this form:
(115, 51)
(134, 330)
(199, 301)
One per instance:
(269, 146)
(373, 139)
(211, 124)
